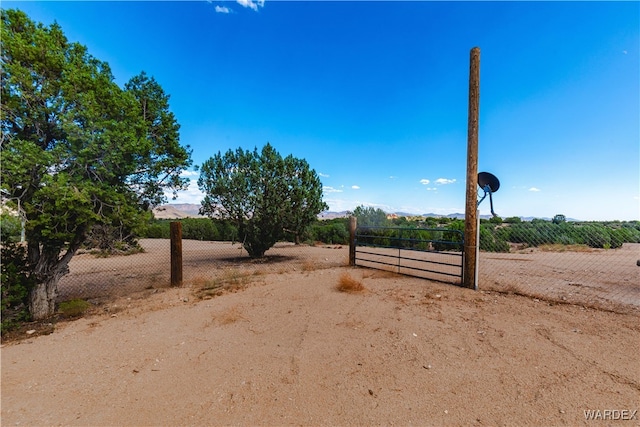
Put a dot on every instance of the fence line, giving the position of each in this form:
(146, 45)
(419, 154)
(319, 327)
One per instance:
(572, 263)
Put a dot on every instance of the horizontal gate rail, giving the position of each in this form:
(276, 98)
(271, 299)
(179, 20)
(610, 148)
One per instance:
(435, 243)
(396, 264)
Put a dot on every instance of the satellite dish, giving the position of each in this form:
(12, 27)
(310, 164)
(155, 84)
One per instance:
(489, 184)
(486, 178)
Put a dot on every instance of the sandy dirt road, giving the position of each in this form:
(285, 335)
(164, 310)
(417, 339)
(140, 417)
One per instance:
(289, 349)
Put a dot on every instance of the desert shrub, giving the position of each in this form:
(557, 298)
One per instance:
(491, 240)
(377, 236)
(430, 222)
(199, 229)
(348, 284)
(594, 236)
(442, 242)
(73, 308)
(193, 229)
(631, 231)
(158, 229)
(109, 240)
(539, 232)
(15, 285)
(533, 233)
(513, 220)
(331, 232)
(417, 239)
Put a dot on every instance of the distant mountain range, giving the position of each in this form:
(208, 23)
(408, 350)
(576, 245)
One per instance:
(177, 211)
(190, 210)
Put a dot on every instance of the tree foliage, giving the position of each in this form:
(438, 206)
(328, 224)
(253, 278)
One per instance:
(370, 217)
(264, 194)
(77, 150)
(559, 219)
(15, 285)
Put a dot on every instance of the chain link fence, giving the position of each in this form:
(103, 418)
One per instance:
(208, 265)
(591, 264)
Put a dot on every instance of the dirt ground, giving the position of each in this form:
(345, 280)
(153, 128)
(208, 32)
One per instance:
(287, 348)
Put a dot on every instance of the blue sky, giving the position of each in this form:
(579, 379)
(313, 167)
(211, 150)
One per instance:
(374, 95)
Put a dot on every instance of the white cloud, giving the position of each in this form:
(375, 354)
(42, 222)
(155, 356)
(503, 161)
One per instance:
(424, 181)
(444, 181)
(355, 187)
(251, 4)
(392, 177)
(323, 175)
(432, 189)
(327, 190)
(625, 52)
(534, 189)
(191, 195)
(189, 174)
(222, 9)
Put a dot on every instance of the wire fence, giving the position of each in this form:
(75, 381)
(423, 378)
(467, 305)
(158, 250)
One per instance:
(564, 263)
(206, 264)
(589, 264)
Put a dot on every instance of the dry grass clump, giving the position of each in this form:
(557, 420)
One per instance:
(349, 284)
(232, 315)
(557, 247)
(310, 266)
(230, 280)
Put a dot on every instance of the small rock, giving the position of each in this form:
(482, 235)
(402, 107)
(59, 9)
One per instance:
(31, 332)
(415, 335)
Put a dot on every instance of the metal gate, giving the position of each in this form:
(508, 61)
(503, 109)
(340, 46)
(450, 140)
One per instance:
(431, 253)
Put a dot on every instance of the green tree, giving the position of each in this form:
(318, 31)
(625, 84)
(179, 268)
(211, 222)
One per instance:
(263, 194)
(304, 196)
(76, 149)
(495, 220)
(559, 219)
(370, 217)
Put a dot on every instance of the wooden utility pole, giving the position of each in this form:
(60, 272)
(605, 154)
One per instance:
(353, 224)
(176, 254)
(469, 272)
